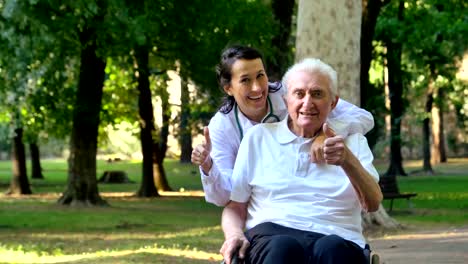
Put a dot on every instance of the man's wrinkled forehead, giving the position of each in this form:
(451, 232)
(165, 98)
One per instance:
(308, 80)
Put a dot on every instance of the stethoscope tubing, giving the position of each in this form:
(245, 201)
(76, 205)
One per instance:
(270, 115)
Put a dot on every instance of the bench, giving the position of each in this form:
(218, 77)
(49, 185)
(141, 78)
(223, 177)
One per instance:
(390, 191)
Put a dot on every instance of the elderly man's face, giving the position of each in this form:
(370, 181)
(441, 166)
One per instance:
(309, 102)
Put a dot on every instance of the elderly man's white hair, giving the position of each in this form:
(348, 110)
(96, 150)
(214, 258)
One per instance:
(312, 65)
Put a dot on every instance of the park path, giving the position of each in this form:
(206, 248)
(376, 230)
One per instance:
(449, 245)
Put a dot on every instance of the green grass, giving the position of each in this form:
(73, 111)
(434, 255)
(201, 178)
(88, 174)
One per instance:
(442, 198)
(55, 173)
(170, 229)
(35, 229)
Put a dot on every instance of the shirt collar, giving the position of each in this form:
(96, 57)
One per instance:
(284, 135)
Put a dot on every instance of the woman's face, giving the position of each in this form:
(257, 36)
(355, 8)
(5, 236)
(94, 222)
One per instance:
(309, 102)
(249, 86)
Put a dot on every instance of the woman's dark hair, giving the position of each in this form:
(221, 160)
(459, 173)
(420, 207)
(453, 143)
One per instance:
(223, 71)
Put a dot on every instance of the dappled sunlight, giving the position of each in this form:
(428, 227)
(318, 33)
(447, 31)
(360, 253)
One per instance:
(96, 247)
(193, 232)
(55, 195)
(182, 192)
(20, 256)
(451, 235)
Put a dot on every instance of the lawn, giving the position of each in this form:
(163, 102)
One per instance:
(172, 228)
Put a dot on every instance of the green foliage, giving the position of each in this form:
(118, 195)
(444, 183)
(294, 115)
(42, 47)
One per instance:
(200, 42)
(433, 34)
(40, 52)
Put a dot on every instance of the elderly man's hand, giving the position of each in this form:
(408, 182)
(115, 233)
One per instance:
(333, 147)
(316, 149)
(232, 244)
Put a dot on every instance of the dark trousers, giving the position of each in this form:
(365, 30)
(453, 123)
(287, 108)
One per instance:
(271, 243)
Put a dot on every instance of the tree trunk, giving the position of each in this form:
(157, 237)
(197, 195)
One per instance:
(281, 59)
(378, 220)
(438, 145)
(19, 181)
(370, 12)
(160, 145)
(82, 186)
(185, 134)
(35, 161)
(427, 167)
(395, 85)
(145, 109)
(442, 145)
(332, 33)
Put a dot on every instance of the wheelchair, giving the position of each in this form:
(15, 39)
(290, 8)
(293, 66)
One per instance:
(372, 258)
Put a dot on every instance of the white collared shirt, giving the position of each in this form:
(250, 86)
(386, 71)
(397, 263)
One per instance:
(345, 119)
(273, 173)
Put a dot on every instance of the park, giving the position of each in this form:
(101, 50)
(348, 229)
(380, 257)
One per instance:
(103, 102)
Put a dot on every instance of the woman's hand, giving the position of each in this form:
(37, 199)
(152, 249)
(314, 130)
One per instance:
(201, 153)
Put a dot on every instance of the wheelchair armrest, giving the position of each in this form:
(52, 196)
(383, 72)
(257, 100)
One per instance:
(235, 259)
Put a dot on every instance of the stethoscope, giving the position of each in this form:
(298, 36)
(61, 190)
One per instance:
(270, 118)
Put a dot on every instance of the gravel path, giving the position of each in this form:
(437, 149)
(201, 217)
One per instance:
(432, 246)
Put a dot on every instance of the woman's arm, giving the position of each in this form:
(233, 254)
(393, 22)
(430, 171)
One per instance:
(218, 154)
(347, 119)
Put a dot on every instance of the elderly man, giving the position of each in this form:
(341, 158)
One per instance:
(296, 211)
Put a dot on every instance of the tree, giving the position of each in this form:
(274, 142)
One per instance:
(145, 108)
(19, 182)
(147, 33)
(370, 12)
(369, 94)
(332, 32)
(15, 87)
(36, 169)
(207, 36)
(185, 133)
(433, 52)
(82, 182)
(395, 83)
(281, 42)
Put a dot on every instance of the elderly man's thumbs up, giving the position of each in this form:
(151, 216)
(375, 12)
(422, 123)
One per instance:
(328, 131)
(333, 147)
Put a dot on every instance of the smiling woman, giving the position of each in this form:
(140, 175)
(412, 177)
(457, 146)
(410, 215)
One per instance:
(249, 87)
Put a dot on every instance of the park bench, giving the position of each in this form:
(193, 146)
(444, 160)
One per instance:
(390, 191)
